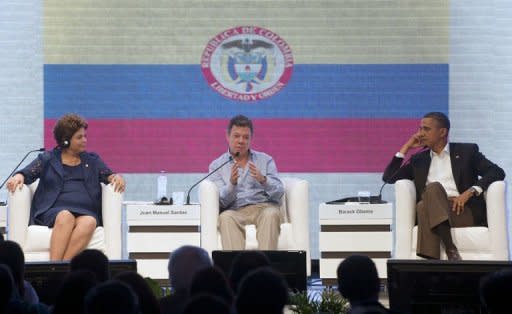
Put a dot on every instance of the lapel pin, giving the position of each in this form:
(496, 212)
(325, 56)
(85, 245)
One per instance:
(456, 156)
(87, 165)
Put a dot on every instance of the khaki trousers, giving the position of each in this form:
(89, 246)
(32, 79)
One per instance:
(265, 216)
(434, 209)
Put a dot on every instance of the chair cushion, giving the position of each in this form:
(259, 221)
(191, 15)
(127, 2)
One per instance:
(285, 241)
(472, 242)
(474, 239)
(38, 239)
(97, 241)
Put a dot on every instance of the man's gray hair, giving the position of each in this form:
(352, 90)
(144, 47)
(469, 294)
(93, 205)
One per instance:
(184, 263)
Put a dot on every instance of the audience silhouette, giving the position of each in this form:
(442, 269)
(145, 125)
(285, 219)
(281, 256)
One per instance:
(358, 281)
(12, 256)
(206, 304)
(211, 281)
(6, 287)
(198, 287)
(111, 297)
(184, 263)
(245, 262)
(495, 290)
(148, 303)
(92, 260)
(71, 294)
(262, 291)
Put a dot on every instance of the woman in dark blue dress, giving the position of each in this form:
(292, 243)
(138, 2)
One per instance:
(68, 196)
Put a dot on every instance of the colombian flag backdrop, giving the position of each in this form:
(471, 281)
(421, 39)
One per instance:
(364, 71)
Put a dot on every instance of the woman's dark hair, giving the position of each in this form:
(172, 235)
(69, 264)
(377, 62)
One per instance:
(66, 126)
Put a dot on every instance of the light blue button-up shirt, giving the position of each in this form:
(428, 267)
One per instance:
(248, 190)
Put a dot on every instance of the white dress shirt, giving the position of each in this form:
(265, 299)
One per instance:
(441, 171)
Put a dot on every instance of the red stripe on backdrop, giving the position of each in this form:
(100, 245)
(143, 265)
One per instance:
(186, 146)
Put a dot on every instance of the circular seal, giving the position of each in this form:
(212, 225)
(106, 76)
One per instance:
(247, 63)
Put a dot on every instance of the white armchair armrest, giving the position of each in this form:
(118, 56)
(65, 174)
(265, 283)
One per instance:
(297, 208)
(111, 204)
(405, 213)
(209, 198)
(495, 200)
(20, 200)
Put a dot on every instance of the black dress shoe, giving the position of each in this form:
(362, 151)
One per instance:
(453, 254)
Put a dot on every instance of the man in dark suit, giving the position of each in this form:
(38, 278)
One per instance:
(449, 180)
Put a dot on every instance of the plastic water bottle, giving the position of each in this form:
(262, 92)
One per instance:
(161, 185)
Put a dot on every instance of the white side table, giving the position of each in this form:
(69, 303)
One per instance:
(3, 220)
(352, 228)
(154, 231)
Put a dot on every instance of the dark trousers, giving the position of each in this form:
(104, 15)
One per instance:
(434, 209)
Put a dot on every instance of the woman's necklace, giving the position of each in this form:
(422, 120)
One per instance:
(70, 160)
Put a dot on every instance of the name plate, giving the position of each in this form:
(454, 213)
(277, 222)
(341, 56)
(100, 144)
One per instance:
(156, 212)
(355, 211)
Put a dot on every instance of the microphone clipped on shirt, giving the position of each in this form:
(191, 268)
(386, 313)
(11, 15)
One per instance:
(209, 174)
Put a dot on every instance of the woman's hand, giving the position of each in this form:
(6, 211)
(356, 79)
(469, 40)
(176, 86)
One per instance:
(118, 182)
(14, 182)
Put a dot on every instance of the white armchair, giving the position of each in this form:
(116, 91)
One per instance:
(473, 243)
(35, 240)
(294, 212)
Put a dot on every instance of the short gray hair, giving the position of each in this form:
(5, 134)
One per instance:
(184, 262)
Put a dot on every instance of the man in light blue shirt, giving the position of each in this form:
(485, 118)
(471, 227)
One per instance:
(250, 190)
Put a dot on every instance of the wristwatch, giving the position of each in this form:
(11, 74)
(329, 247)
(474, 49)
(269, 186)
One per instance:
(473, 191)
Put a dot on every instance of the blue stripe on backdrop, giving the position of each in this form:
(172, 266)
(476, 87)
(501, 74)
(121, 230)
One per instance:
(181, 92)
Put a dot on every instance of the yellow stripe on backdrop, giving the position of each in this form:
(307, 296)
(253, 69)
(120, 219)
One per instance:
(176, 31)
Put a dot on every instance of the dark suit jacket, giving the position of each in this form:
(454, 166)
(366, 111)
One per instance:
(469, 167)
(47, 167)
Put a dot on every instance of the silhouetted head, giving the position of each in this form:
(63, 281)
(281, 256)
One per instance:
(212, 281)
(111, 297)
(206, 304)
(148, 302)
(74, 287)
(245, 262)
(6, 287)
(94, 261)
(184, 262)
(12, 256)
(358, 279)
(262, 291)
